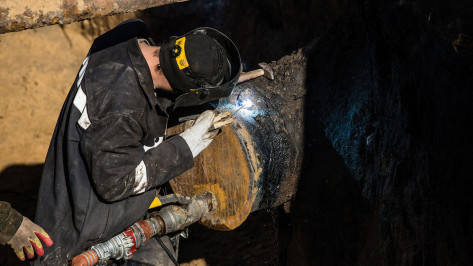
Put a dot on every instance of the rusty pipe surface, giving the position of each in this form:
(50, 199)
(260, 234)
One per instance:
(16, 15)
(255, 162)
(270, 129)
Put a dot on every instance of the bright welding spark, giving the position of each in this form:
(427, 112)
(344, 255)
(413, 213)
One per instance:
(247, 103)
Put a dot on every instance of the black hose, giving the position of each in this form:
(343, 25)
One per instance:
(167, 251)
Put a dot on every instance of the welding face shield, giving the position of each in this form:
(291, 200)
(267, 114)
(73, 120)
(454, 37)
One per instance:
(204, 65)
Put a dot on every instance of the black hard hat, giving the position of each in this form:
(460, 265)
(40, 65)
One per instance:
(204, 64)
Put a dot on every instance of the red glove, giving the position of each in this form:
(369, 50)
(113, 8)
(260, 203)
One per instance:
(26, 237)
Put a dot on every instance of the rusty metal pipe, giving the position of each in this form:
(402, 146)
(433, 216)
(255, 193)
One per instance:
(26, 14)
(255, 162)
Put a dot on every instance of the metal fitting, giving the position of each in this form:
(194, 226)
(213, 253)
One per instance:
(177, 218)
(117, 247)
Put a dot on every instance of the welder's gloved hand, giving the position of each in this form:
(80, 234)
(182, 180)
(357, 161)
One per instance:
(198, 136)
(26, 238)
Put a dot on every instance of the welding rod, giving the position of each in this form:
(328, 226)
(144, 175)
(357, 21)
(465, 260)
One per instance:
(228, 115)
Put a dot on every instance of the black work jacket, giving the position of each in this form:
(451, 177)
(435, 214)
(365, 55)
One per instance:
(106, 138)
(10, 221)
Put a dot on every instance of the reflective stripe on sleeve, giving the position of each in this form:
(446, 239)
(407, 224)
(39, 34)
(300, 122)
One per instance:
(84, 121)
(160, 140)
(80, 100)
(141, 179)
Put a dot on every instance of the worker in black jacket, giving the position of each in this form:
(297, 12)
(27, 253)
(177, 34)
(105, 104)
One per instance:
(109, 151)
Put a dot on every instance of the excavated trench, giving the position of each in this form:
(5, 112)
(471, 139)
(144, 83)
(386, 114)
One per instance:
(356, 154)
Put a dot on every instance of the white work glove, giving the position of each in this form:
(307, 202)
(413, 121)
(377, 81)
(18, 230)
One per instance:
(198, 136)
(27, 237)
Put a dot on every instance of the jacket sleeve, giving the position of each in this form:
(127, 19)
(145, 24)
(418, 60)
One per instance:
(10, 221)
(120, 166)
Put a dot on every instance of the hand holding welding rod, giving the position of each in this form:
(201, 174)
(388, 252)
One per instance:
(198, 136)
(219, 121)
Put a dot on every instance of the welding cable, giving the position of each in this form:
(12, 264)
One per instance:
(167, 251)
(177, 246)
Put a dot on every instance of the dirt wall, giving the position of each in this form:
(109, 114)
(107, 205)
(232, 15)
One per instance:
(38, 67)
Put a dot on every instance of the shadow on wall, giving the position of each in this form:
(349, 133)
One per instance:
(19, 186)
(387, 168)
(327, 215)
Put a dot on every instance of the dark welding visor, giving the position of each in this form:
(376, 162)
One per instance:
(203, 64)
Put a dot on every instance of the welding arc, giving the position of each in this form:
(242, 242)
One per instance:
(236, 111)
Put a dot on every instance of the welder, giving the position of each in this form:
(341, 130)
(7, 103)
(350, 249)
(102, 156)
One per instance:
(109, 152)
